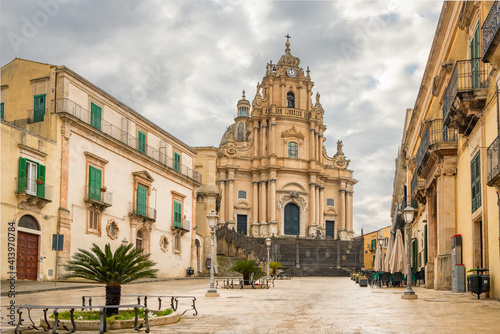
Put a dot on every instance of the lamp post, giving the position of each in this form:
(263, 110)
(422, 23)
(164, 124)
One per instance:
(408, 214)
(380, 243)
(268, 244)
(212, 220)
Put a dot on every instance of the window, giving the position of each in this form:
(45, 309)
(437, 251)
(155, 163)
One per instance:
(475, 54)
(38, 108)
(177, 214)
(374, 244)
(163, 243)
(386, 242)
(93, 220)
(242, 194)
(290, 97)
(31, 178)
(138, 240)
(95, 116)
(293, 150)
(177, 162)
(95, 175)
(141, 200)
(141, 142)
(28, 221)
(330, 202)
(1, 110)
(475, 171)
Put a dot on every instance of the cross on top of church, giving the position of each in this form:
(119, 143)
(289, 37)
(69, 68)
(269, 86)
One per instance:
(288, 37)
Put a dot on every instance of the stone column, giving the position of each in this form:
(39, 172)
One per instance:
(264, 138)
(311, 142)
(318, 204)
(342, 226)
(321, 206)
(312, 202)
(222, 212)
(445, 189)
(256, 139)
(263, 208)
(273, 136)
(431, 237)
(230, 199)
(273, 224)
(349, 210)
(283, 95)
(319, 146)
(255, 205)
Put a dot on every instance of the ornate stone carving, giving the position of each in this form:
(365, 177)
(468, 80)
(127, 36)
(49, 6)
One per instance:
(339, 159)
(292, 133)
(112, 230)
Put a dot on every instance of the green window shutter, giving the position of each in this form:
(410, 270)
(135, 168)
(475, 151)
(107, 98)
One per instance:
(95, 183)
(142, 200)
(374, 244)
(373, 262)
(177, 162)
(21, 179)
(40, 188)
(38, 108)
(475, 170)
(95, 116)
(1, 110)
(475, 62)
(141, 143)
(177, 214)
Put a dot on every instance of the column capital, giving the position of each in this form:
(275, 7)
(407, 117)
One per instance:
(273, 179)
(312, 184)
(342, 190)
(263, 181)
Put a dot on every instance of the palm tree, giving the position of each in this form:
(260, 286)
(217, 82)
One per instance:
(247, 268)
(126, 265)
(274, 266)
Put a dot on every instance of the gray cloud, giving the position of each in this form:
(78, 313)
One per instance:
(183, 64)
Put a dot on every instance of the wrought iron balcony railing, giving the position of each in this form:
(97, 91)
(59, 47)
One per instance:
(490, 29)
(416, 184)
(493, 162)
(72, 108)
(434, 133)
(142, 211)
(100, 195)
(183, 224)
(467, 75)
(34, 187)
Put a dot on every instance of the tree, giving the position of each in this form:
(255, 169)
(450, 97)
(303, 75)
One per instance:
(247, 268)
(126, 265)
(273, 266)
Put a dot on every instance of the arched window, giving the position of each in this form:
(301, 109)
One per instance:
(290, 97)
(293, 150)
(28, 221)
(93, 220)
(177, 243)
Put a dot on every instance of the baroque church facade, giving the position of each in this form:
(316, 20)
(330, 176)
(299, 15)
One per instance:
(271, 174)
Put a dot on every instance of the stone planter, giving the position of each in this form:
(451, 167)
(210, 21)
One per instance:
(117, 324)
(363, 282)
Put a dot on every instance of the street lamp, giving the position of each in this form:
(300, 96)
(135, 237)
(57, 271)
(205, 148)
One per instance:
(408, 214)
(268, 244)
(381, 243)
(212, 220)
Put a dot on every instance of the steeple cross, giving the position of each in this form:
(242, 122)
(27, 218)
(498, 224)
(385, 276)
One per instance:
(288, 37)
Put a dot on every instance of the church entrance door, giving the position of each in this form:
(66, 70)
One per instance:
(292, 219)
(241, 224)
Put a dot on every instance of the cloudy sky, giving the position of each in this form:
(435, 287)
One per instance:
(183, 64)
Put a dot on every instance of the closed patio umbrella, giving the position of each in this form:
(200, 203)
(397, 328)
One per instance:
(378, 265)
(397, 262)
(388, 252)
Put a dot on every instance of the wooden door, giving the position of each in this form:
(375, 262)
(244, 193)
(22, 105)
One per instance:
(27, 256)
(292, 219)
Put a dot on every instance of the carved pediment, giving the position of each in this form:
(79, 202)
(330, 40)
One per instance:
(143, 175)
(293, 132)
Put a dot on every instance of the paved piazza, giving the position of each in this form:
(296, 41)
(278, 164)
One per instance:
(306, 305)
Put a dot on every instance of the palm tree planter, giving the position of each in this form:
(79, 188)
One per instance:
(125, 265)
(247, 268)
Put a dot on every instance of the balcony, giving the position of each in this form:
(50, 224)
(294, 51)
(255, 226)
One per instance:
(438, 141)
(417, 189)
(293, 112)
(142, 212)
(183, 225)
(490, 36)
(159, 155)
(35, 194)
(100, 198)
(493, 159)
(465, 94)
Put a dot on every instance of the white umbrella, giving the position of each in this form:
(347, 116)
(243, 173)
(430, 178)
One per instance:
(388, 253)
(377, 265)
(397, 262)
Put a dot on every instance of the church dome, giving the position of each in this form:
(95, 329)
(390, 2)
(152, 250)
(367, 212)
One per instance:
(237, 132)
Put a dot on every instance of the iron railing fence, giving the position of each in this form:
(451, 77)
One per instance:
(416, 183)
(99, 194)
(493, 161)
(467, 75)
(142, 210)
(435, 132)
(183, 224)
(490, 27)
(72, 108)
(34, 187)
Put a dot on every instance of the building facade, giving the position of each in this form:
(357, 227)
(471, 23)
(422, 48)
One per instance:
(448, 164)
(372, 241)
(272, 171)
(79, 163)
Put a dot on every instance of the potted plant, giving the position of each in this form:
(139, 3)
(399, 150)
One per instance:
(103, 189)
(39, 181)
(363, 281)
(273, 266)
(247, 268)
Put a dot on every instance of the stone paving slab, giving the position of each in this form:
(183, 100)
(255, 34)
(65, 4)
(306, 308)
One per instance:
(307, 305)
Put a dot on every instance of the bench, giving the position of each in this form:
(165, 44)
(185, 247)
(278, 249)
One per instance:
(227, 282)
(56, 308)
(143, 300)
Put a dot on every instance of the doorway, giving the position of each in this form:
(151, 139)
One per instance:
(292, 219)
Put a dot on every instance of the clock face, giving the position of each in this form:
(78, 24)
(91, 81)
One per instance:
(291, 72)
